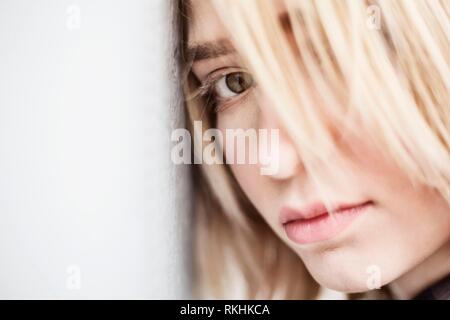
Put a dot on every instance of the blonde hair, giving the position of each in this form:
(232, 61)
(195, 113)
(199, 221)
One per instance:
(394, 80)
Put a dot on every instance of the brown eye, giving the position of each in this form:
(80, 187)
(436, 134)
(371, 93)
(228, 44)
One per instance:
(238, 82)
(233, 84)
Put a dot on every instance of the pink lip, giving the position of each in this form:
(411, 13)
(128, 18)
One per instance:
(314, 223)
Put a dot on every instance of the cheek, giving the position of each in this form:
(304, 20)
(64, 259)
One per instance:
(258, 188)
(264, 195)
(249, 179)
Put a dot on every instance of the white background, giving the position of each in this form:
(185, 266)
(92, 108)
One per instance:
(90, 204)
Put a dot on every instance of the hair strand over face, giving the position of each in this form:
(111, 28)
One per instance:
(394, 80)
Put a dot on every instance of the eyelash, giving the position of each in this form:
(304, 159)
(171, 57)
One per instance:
(208, 89)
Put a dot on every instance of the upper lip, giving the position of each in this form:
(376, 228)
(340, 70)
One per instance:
(313, 210)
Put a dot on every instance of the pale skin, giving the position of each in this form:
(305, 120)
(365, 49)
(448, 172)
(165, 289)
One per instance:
(406, 234)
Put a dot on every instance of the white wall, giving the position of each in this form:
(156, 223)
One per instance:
(90, 204)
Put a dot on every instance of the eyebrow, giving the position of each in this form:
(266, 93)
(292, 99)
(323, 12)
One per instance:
(209, 50)
(221, 47)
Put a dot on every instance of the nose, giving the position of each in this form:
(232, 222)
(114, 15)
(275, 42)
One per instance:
(288, 160)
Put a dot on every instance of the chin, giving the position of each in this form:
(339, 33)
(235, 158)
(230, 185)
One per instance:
(344, 270)
(345, 283)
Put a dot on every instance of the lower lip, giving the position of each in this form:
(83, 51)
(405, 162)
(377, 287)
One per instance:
(323, 227)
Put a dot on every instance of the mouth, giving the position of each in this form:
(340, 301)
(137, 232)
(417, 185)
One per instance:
(315, 223)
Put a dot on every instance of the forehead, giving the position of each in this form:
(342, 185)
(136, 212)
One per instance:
(205, 23)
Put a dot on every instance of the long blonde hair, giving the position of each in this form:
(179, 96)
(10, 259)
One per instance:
(393, 76)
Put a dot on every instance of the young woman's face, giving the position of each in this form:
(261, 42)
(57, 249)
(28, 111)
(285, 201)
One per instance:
(397, 226)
